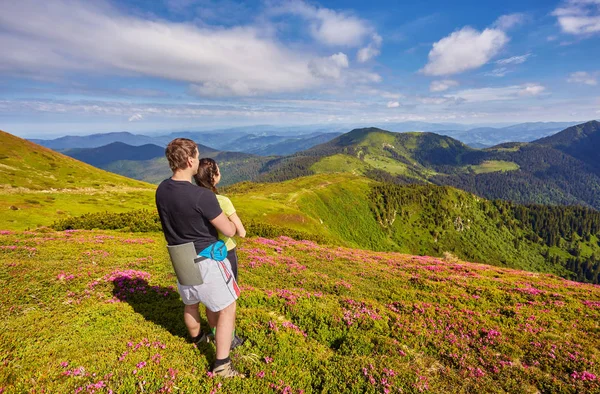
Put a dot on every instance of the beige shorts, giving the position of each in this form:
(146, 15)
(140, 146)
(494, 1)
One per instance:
(219, 289)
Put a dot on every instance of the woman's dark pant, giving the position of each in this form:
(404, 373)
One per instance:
(232, 257)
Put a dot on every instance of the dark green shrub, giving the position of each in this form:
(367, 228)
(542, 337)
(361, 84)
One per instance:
(141, 221)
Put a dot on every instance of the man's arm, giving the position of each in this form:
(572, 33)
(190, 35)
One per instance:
(241, 231)
(224, 225)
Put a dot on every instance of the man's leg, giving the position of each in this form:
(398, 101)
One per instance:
(224, 334)
(191, 317)
(223, 366)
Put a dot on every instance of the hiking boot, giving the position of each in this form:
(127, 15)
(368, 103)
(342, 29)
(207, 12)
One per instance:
(204, 338)
(237, 341)
(227, 371)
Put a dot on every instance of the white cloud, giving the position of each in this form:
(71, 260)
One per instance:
(499, 94)
(514, 60)
(329, 67)
(222, 89)
(96, 38)
(440, 86)
(393, 104)
(506, 22)
(531, 90)
(436, 100)
(579, 17)
(328, 26)
(368, 91)
(464, 50)
(583, 77)
(505, 65)
(390, 95)
(370, 51)
(497, 72)
(142, 110)
(136, 117)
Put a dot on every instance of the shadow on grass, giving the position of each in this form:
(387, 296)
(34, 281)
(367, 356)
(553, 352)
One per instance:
(159, 305)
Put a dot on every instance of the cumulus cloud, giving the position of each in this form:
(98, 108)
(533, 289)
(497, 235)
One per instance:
(136, 117)
(370, 51)
(393, 104)
(97, 38)
(513, 92)
(329, 67)
(579, 17)
(583, 77)
(463, 50)
(440, 86)
(506, 22)
(328, 26)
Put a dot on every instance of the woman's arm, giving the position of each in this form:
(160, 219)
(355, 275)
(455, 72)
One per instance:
(235, 219)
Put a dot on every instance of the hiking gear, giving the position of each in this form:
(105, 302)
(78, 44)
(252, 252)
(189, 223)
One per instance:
(201, 338)
(227, 370)
(184, 259)
(216, 251)
(237, 341)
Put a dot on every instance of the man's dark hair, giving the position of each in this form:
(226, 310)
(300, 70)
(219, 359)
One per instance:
(179, 151)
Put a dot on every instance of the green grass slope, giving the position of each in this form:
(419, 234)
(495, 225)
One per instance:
(38, 185)
(355, 211)
(352, 210)
(104, 316)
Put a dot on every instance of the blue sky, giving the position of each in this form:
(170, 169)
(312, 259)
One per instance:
(80, 67)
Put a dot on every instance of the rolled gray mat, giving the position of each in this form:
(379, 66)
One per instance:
(183, 258)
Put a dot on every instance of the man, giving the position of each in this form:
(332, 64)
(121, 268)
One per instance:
(189, 213)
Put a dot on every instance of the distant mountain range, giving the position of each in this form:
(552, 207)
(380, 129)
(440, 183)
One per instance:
(483, 137)
(148, 162)
(270, 140)
(560, 169)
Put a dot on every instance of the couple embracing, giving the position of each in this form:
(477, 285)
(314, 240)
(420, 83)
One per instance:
(194, 214)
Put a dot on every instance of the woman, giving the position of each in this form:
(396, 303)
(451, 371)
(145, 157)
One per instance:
(209, 176)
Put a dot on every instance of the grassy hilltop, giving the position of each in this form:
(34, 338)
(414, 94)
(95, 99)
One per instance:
(38, 186)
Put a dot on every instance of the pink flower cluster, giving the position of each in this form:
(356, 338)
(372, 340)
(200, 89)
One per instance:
(64, 277)
(283, 388)
(356, 311)
(294, 327)
(585, 375)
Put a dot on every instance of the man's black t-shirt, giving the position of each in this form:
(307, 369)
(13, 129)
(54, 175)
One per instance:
(185, 212)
